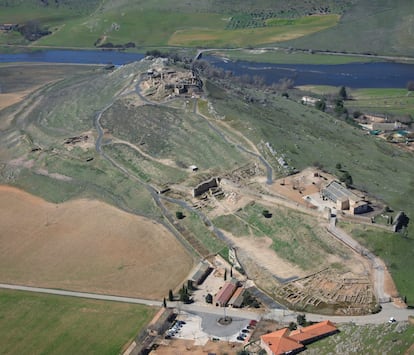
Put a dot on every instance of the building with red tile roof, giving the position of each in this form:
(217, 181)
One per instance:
(281, 342)
(314, 332)
(237, 299)
(223, 296)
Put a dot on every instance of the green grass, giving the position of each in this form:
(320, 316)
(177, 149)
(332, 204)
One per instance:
(295, 237)
(169, 133)
(366, 339)
(146, 169)
(386, 101)
(394, 249)
(47, 324)
(253, 36)
(368, 27)
(194, 223)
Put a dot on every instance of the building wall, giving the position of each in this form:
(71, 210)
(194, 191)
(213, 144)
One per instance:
(205, 186)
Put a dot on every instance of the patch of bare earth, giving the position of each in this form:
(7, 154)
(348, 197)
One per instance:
(180, 346)
(86, 245)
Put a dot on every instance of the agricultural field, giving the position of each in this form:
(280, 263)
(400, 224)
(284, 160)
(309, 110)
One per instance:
(386, 101)
(86, 245)
(48, 324)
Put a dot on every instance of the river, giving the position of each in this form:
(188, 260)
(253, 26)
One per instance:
(355, 75)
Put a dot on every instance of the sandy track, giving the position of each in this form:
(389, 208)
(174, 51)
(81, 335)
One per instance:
(86, 245)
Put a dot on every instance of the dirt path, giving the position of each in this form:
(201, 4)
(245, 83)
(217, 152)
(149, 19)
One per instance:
(167, 162)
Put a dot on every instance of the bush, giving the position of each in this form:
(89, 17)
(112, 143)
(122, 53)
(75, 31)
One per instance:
(179, 215)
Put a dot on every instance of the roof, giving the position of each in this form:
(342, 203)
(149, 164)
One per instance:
(237, 298)
(280, 343)
(200, 271)
(225, 293)
(313, 331)
(340, 192)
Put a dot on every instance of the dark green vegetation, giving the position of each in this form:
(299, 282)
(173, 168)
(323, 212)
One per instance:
(306, 136)
(48, 324)
(366, 339)
(295, 237)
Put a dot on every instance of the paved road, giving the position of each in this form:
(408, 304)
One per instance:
(377, 264)
(388, 309)
(94, 296)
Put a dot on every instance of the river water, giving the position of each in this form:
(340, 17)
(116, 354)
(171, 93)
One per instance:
(355, 75)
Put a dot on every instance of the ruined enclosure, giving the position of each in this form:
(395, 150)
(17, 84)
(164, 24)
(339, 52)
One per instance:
(347, 294)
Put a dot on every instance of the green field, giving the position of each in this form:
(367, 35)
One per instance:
(277, 56)
(376, 27)
(392, 102)
(48, 324)
(386, 101)
(275, 32)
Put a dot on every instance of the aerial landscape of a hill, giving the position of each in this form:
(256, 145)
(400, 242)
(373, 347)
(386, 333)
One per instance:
(185, 177)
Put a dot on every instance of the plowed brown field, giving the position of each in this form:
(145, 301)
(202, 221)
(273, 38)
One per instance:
(86, 245)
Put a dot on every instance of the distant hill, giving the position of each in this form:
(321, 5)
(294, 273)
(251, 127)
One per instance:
(364, 26)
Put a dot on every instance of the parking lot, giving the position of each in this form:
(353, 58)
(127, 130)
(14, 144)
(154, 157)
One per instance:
(202, 327)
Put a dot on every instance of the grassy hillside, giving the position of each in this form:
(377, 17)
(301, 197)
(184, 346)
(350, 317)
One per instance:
(306, 137)
(381, 26)
(48, 324)
(365, 26)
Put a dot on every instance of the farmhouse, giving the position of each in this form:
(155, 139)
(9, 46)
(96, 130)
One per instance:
(281, 342)
(308, 100)
(344, 198)
(386, 126)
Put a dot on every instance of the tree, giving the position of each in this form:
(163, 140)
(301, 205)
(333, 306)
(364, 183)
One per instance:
(179, 215)
(170, 296)
(292, 326)
(209, 298)
(320, 105)
(342, 93)
(346, 178)
(338, 166)
(301, 319)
